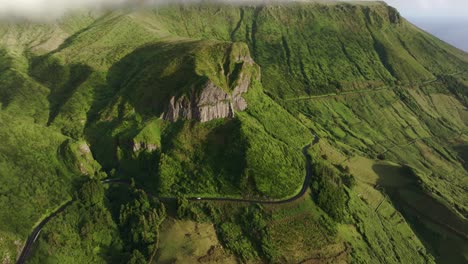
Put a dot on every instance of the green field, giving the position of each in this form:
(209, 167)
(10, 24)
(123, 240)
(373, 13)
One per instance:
(121, 94)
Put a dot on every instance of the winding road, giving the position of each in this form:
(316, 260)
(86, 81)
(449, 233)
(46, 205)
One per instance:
(26, 252)
(375, 89)
(36, 231)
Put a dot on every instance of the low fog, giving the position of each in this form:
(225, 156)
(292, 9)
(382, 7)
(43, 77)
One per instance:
(51, 9)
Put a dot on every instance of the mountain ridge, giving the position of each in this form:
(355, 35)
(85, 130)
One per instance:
(392, 125)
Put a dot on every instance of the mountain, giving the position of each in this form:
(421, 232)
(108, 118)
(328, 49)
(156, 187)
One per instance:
(237, 103)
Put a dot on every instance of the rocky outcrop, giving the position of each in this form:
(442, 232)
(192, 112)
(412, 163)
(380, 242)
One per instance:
(138, 146)
(223, 73)
(84, 149)
(210, 103)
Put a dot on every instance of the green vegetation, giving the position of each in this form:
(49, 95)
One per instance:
(328, 191)
(86, 226)
(139, 221)
(273, 234)
(185, 241)
(85, 98)
(369, 221)
(30, 166)
(310, 48)
(101, 234)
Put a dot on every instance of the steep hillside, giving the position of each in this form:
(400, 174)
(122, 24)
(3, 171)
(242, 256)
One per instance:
(219, 101)
(319, 48)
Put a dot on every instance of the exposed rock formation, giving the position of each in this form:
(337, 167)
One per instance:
(84, 149)
(137, 146)
(210, 101)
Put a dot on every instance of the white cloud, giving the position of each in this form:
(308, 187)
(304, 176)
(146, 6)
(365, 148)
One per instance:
(431, 8)
(40, 9)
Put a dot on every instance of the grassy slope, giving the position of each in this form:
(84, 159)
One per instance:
(40, 167)
(36, 177)
(417, 124)
(407, 131)
(312, 48)
(184, 241)
(301, 52)
(382, 123)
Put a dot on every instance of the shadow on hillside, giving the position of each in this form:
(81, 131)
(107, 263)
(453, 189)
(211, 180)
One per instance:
(440, 229)
(133, 84)
(62, 80)
(394, 176)
(205, 155)
(149, 76)
(143, 82)
(462, 151)
(225, 151)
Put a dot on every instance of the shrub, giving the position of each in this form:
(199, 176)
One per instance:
(91, 193)
(328, 191)
(349, 180)
(236, 241)
(381, 156)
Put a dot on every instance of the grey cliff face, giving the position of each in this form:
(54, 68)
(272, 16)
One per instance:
(211, 102)
(139, 146)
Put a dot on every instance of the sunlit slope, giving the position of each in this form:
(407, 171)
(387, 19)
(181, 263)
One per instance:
(314, 48)
(189, 155)
(412, 126)
(21, 36)
(423, 127)
(94, 90)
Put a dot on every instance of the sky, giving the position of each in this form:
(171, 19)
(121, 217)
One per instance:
(451, 30)
(431, 8)
(446, 19)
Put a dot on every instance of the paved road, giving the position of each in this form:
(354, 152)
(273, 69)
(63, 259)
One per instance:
(305, 185)
(375, 89)
(35, 234)
(26, 252)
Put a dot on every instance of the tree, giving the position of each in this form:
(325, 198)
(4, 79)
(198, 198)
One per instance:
(91, 193)
(328, 190)
(139, 221)
(137, 258)
(168, 171)
(348, 180)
